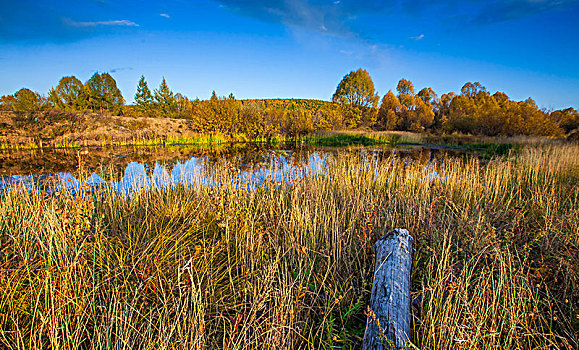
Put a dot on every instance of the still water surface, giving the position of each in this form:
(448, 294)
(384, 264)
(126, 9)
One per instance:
(127, 169)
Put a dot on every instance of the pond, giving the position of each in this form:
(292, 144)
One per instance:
(129, 168)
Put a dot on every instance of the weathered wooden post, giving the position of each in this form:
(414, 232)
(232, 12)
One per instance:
(388, 324)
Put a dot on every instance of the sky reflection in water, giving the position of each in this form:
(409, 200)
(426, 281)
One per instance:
(281, 169)
(248, 168)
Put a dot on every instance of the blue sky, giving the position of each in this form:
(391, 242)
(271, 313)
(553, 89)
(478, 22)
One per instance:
(295, 48)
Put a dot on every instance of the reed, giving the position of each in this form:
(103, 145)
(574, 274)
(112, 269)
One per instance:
(231, 267)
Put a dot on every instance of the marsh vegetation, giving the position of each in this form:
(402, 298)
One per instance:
(194, 267)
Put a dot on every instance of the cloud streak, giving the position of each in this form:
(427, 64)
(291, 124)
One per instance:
(501, 11)
(335, 18)
(43, 21)
(341, 17)
(118, 23)
(40, 21)
(120, 69)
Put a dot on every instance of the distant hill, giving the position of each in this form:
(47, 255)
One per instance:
(292, 103)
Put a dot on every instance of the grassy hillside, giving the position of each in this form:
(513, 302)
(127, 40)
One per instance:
(293, 104)
(57, 128)
(61, 128)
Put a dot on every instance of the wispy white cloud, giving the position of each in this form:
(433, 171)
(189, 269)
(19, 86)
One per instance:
(119, 69)
(340, 17)
(165, 15)
(118, 23)
(419, 37)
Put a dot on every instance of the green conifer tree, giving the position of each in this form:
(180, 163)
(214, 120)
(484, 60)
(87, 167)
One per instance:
(143, 97)
(165, 99)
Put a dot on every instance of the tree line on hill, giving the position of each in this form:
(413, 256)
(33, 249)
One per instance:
(355, 104)
(99, 94)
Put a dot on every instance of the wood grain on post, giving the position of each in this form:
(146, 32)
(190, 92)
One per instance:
(388, 324)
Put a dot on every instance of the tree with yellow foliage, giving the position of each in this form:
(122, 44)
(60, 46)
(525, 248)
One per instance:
(357, 95)
(388, 118)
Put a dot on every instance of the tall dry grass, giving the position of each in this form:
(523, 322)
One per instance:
(496, 261)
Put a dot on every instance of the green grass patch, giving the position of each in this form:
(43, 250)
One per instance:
(488, 150)
(345, 139)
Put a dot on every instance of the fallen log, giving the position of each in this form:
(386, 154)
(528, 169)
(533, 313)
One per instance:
(388, 323)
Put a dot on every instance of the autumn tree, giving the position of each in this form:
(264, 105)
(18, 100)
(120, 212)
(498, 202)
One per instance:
(488, 117)
(461, 116)
(113, 97)
(428, 96)
(144, 98)
(405, 90)
(356, 92)
(182, 105)
(464, 109)
(103, 93)
(69, 94)
(415, 114)
(300, 122)
(423, 116)
(567, 119)
(500, 97)
(252, 121)
(406, 97)
(274, 120)
(388, 118)
(473, 90)
(356, 89)
(24, 100)
(443, 110)
(224, 112)
(8, 103)
(536, 121)
(476, 111)
(328, 119)
(28, 100)
(221, 115)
